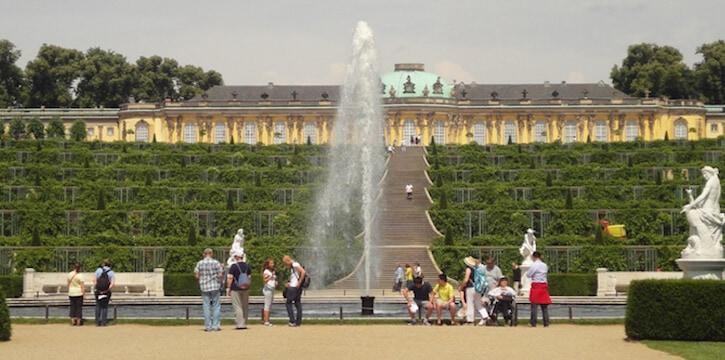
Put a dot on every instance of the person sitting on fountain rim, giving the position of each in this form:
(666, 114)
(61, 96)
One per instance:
(446, 297)
(422, 298)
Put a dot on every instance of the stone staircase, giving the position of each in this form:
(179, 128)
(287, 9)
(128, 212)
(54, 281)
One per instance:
(405, 231)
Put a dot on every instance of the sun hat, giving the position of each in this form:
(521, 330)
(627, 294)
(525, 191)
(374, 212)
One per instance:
(208, 251)
(470, 261)
(238, 253)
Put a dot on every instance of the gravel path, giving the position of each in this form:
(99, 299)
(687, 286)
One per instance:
(322, 342)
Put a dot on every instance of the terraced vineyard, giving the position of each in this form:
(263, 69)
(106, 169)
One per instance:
(486, 198)
(150, 205)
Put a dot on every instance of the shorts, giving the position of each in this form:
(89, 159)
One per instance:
(422, 304)
(443, 303)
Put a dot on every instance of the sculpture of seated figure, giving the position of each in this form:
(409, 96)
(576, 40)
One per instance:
(706, 221)
(528, 247)
(237, 245)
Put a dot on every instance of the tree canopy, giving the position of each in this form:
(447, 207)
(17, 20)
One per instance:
(11, 76)
(711, 72)
(653, 70)
(61, 77)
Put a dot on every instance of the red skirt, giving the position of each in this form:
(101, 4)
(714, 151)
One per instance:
(539, 293)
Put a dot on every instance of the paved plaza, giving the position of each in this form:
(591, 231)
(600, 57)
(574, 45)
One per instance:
(323, 342)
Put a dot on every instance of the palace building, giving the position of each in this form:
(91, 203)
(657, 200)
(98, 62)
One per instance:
(415, 102)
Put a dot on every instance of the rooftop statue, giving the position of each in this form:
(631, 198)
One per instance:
(529, 246)
(706, 220)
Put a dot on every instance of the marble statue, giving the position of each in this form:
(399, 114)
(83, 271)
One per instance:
(706, 220)
(237, 245)
(529, 246)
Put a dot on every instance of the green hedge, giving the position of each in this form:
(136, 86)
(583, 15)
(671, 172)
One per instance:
(572, 284)
(689, 310)
(12, 284)
(5, 328)
(188, 285)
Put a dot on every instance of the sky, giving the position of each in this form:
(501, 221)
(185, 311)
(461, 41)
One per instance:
(310, 42)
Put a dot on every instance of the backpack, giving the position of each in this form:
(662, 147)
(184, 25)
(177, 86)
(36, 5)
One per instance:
(479, 280)
(306, 281)
(103, 282)
(242, 279)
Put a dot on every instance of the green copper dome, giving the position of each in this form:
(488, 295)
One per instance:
(411, 80)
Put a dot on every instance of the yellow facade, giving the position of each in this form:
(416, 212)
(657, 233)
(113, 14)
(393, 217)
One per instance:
(414, 103)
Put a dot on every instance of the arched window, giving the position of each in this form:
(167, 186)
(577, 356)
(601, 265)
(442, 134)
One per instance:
(280, 135)
(310, 132)
(142, 131)
(250, 132)
(408, 131)
(540, 132)
(600, 131)
(220, 133)
(509, 132)
(440, 132)
(631, 131)
(479, 133)
(569, 132)
(680, 129)
(190, 133)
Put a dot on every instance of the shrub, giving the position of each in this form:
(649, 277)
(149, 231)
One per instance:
(4, 318)
(689, 310)
(188, 285)
(572, 284)
(13, 285)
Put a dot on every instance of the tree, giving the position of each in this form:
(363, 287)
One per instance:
(710, 72)
(652, 70)
(52, 75)
(192, 81)
(78, 131)
(55, 128)
(156, 78)
(11, 76)
(16, 129)
(35, 127)
(106, 79)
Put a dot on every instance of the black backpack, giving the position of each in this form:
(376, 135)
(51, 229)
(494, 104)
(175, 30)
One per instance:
(103, 282)
(307, 280)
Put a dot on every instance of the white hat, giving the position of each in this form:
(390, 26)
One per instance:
(238, 253)
(470, 261)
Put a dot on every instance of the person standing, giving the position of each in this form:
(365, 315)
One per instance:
(493, 273)
(418, 271)
(408, 276)
(104, 280)
(539, 294)
(240, 296)
(398, 279)
(209, 272)
(470, 298)
(76, 292)
(269, 277)
(294, 290)
(516, 278)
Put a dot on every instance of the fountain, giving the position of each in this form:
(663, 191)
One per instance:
(346, 206)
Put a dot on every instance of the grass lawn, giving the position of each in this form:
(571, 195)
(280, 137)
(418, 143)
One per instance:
(703, 350)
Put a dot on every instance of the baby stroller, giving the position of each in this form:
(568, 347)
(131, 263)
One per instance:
(505, 306)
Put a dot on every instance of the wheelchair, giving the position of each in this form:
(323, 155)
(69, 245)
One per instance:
(505, 307)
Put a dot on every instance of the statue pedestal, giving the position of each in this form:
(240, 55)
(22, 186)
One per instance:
(702, 268)
(525, 281)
